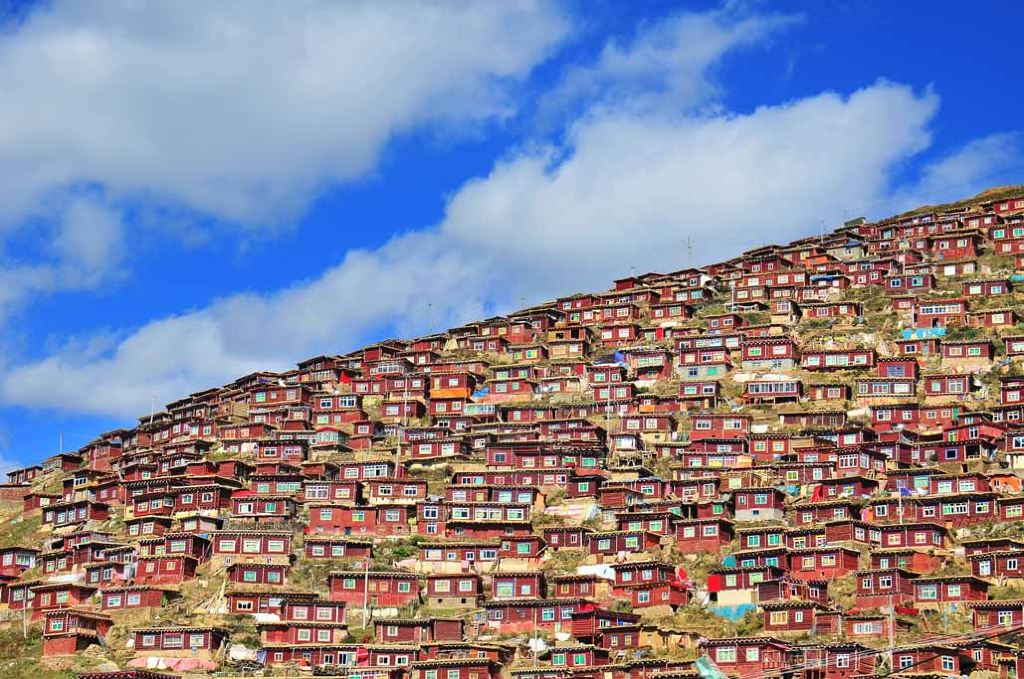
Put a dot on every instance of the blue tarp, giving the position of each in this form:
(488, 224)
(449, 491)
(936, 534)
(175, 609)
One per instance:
(708, 669)
(733, 613)
(923, 333)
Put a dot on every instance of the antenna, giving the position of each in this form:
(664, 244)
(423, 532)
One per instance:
(688, 242)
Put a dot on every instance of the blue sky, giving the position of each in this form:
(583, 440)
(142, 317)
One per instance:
(199, 190)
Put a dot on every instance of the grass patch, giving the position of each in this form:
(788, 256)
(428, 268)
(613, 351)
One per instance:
(20, 532)
(20, 656)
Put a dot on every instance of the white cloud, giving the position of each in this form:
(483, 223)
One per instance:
(89, 239)
(622, 191)
(631, 188)
(229, 113)
(244, 110)
(392, 286)
(977, 165)
(84, 252)
(666, 65)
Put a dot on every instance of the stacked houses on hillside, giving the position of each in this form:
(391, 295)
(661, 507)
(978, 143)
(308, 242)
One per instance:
(803, 462)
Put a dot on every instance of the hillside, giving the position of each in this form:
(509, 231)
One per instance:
(803, 461)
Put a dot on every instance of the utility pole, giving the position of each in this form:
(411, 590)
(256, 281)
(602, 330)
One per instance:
(535, 650)
(366, 591)
(24, 613)
(892, 634)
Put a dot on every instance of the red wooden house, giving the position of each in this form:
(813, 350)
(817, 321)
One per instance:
(932, 659)
(515, 585)
(272, 575)
(383, 589)
(565, 537)
(54, 595)
(1004, 565)
(840, 660)
(967, 354)
(957, 246)
(453, 590)
(747, 655)
(422, 632)
(830, 561)
(986, 287)
(524, 615)
(837, 359)
(939, 313)
(759, 504)
(987, 615)
(612, 543)
(934, 592)
(703, 535)
(993, 318)
(77, 511)
(737, 584)
(457, 668)
(909, 534)
(774, 390)
(838, 311)
(336, 547)
(884, 588)
(719, 426)
(165, 570)
(909, 283)
(892, 415)
(70, 631)
(828, 392)
(263, 508)
(918, 349)
(577, 586)
(341, 519)
(135, 596)
(793, 617)
(300, 633)
(17, 560)
(254, 544)
(201, 642)
(769, 354)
